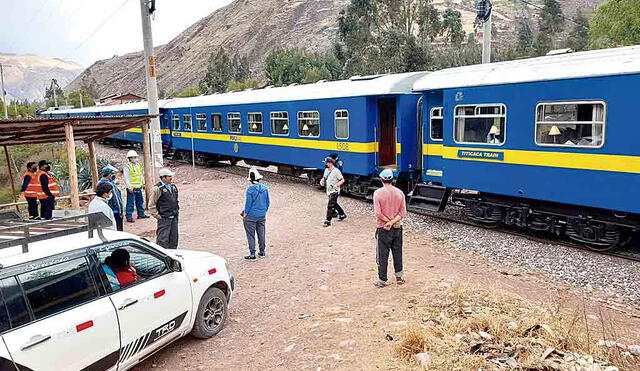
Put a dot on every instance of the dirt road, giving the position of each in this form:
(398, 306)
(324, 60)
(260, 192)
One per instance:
(311, 304)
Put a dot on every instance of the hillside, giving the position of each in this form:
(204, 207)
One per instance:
(256, 27)
(26, 76)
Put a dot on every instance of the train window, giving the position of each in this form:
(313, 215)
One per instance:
(477, 124)
(436, 122)
(187, 123)
(235, 122)
(216, 122)
(570, 124)
(309, 124)
(254, 120)
(342, 124)
(176, 122)
(201, 122)
(280, 123)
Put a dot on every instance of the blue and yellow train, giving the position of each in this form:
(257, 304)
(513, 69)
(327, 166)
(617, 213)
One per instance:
(548, 144)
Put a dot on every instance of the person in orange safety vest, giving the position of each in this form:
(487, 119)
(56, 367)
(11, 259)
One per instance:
(30, 188)
(49, 190)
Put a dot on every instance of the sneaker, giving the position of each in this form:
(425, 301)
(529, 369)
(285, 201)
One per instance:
(327, 223)
(400, 281)
(144, 217)
(342, 217)
(130, 220)
(250, 257)
(380, 284)
(262, 254)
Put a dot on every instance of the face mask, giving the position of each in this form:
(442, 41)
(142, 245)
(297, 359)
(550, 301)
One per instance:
(47, 168)
(113, 177)
(109, 197)
(134, 160)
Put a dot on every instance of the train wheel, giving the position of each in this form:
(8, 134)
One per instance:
(597, 236)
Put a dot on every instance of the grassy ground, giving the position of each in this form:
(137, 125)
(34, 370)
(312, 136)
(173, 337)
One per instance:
(469, 328)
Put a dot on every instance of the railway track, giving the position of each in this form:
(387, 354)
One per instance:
(234, 169)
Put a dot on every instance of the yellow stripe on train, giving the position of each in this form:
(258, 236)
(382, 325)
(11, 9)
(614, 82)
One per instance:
(585, 161)
(356, 147)
(139, 131)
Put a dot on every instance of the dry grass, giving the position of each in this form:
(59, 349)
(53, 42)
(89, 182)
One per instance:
(468, 328)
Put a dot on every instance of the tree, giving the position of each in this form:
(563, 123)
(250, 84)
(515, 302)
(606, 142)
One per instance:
(524, 44)
(578, 38)
(74, 99)
(49, 96)
(191, 91)
(551, 23)
(452, 26)
(288, 66)
(222, 69)
(615, 23)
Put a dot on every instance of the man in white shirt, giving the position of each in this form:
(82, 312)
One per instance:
(333, 180)
(100, 203)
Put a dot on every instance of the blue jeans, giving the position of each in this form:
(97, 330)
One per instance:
(253, 227)
(135, 197)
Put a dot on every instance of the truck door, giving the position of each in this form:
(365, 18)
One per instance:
(60, 318)
(387, 130)
(153, 310)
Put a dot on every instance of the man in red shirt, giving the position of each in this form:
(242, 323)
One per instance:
(390, 207)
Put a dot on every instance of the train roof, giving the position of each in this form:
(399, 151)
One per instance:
(110, 108)
(605, 62)
(354, 87)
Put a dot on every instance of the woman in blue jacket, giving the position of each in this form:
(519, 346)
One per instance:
(255, 213)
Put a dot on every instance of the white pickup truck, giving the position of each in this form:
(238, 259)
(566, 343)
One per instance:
(60, 309)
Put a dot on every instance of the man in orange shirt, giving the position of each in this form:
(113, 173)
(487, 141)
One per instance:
(390, 207)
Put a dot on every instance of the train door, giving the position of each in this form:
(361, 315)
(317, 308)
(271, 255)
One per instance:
(387, 130)
(420, 134)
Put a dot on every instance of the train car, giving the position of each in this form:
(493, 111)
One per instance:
(547, 144)
(368, 121)
(129, 137)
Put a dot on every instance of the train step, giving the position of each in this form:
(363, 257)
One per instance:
(429, 197)
(374, 184)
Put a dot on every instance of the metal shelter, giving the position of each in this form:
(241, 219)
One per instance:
(70, 130)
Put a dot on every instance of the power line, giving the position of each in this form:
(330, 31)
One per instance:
(561, 15)
(100, 26)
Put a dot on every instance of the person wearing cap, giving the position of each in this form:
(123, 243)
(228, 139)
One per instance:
(337, 161)
(390, 208)
(115, 202)
(164, 206)
(100, 203)
(254, 214)
(133, 175)
(48, 190)
(30, 188)
(333, 180)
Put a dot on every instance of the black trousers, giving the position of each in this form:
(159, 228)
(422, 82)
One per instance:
(167, 233)
(119, 224)
(32, 204)
(46, 208)
(389, 241)
(333, 209)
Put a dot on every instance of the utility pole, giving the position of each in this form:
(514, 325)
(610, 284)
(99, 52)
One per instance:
(147, 7)
(486, 41)
(81, 98)
(4, 93)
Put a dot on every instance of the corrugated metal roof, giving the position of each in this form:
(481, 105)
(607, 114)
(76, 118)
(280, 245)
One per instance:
(603, 62)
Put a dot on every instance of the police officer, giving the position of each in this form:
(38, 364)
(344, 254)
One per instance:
(164, 206)
(30, 187)
(134, 182)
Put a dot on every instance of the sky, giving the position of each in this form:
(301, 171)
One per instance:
(85, 31)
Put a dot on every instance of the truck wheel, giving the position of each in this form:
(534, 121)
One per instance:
(212, 313)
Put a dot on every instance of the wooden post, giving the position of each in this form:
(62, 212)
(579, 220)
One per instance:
(13, 183)
(148, 165)
(73, 167)
(94, 163)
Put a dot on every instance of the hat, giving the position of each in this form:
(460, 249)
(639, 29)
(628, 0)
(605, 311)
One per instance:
(43, 162)
(132, 153)
(386, 174)
(108, 170)
(166, 172)
(329, 160)
(254, 175)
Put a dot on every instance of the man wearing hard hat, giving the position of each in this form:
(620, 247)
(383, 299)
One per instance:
(164, 206)
(133, 174)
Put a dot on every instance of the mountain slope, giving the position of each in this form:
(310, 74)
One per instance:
(256, 27)
(25, 76)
